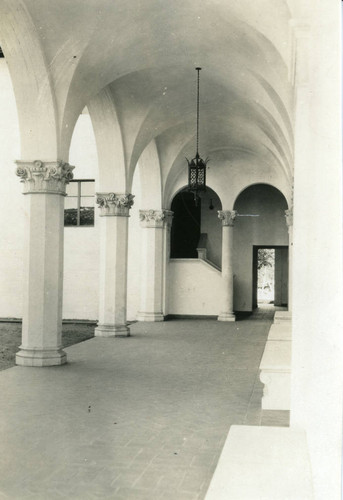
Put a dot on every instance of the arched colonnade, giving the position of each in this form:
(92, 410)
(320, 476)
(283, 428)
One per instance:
(267, 118)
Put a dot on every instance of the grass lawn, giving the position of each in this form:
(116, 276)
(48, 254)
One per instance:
(10, 339)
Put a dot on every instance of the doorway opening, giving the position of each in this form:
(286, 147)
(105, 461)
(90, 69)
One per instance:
(270, 276)
(265, 275)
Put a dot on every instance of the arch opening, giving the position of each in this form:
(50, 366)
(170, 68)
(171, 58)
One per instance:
(260, 224)
(196, 230)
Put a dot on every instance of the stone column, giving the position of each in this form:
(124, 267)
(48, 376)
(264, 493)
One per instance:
(44, 189)
(289, 222)
(151, 308)
(227, 217)
(114, 213)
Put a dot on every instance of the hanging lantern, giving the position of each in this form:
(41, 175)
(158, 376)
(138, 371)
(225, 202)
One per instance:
(197, 166)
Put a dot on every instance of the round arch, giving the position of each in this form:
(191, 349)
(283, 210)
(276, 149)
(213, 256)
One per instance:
(32, 84)
(260, 223)
(150, 177)
(270, 185)
(196, 229)
(107, 131)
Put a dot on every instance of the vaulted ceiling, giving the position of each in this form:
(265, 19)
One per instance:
(145, 52)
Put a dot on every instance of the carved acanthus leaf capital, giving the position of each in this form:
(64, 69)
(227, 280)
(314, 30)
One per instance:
(151, 218)
(289, 217)
(148, 215)
(114, 203)
(44, 177)
(155, 218)
(227, 217)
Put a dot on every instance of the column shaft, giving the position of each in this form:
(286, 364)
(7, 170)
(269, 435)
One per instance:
(113, 264)
(151, 266)
(44, 188)
(227, 218)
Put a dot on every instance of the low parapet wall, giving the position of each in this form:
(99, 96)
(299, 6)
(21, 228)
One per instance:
(269, 463)
(282, 316)
(276, 368)
(194, 288)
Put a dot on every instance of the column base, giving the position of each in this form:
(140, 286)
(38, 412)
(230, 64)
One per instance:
(112, 331)
(226, 317)
(40, 358)
(150, 316)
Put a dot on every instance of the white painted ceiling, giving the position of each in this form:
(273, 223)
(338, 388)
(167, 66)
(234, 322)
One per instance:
(145, 52)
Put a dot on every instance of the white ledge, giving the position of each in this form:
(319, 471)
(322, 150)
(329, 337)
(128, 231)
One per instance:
(198, 261)
(282, 316)
(267, 463)
(280, 331)
(276, 375)
(277, 355)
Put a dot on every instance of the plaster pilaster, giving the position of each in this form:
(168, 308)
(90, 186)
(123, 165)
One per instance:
(289, 222)
(44, 189)
(167, 224)
(317, 347)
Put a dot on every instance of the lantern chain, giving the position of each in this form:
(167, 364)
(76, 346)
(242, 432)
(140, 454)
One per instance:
(198, 85)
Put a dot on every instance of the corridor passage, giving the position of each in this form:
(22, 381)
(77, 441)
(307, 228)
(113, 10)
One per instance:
(143, 417)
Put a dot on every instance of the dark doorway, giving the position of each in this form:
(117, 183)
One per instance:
(270, 275)
(185, 231)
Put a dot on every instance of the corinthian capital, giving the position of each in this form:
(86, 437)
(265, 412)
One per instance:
(151, 218)
(114, 204)
(227, 217)
(44, 177)
(289, 217)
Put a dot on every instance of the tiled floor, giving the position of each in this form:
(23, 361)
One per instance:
(143, 417)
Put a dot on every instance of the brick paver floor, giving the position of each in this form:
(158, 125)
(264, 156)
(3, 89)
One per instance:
(143, 417)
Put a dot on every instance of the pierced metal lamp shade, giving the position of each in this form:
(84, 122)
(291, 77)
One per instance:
(197, 174)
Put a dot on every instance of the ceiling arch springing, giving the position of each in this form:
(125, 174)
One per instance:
(143, 54)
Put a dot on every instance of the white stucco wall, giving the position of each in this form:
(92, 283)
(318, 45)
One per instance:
(81, 247)
(194, 288)
(211, 225)
(12, 214)
(81, 273)
(81, 244)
